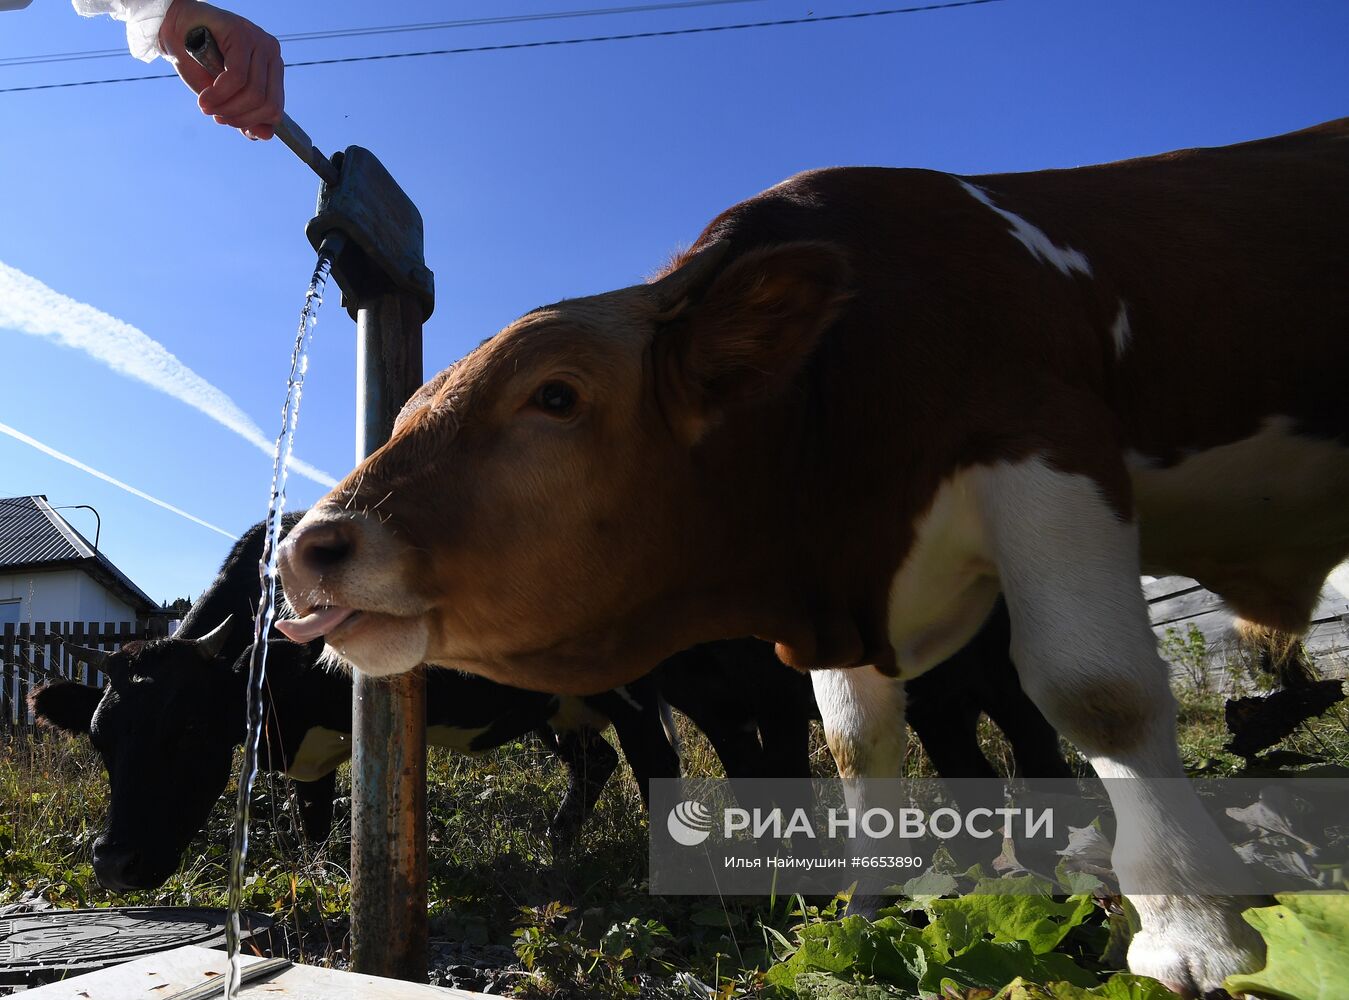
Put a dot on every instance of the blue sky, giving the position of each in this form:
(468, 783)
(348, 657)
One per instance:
(540, 174)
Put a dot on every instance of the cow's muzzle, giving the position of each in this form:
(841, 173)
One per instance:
(123, 869)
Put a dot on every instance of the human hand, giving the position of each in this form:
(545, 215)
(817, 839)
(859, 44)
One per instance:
(249, 95)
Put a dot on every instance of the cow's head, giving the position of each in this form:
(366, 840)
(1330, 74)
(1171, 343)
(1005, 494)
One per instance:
(575, 500)
(166, 725)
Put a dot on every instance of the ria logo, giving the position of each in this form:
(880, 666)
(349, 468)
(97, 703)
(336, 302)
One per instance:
(689, 823)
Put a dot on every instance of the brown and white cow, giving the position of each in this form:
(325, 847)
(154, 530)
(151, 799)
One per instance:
(865, 402)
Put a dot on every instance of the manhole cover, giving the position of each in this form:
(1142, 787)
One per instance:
(55, 944)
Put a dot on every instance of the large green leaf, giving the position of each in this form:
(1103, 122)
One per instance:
(1038, 920)
(888, 950)
(1308, 940)
(823, 986)
(992, 965)
(1120, 987)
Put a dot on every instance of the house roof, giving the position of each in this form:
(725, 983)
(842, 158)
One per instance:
(34, 537)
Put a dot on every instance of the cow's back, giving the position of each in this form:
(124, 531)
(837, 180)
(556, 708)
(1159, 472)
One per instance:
(1135, 314)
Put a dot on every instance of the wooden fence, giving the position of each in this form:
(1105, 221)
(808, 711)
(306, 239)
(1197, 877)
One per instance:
(1178, 602)
(33, 653)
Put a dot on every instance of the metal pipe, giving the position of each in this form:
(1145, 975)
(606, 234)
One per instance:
(201, 46)
(216, 987)
(98, 520)
(388, 802)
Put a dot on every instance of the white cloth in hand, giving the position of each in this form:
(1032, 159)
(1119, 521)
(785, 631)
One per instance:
(142, 17)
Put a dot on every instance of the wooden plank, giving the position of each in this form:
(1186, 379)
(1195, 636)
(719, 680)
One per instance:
(8, 675)
(56, 638)
(78, 671)
(1331, 605)
(1215, 626)
(1184, 605)
(159, 976)
(1167, 586)
(1179, 602)
(92, 641)
(37, 667)
(1328, 641)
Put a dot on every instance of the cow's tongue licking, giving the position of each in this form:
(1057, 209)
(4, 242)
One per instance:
(318, 622)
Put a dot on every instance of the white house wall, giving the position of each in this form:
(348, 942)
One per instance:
(65, 596)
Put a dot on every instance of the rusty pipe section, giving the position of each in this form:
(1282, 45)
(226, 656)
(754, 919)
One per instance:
(388, 764)
(388, 822)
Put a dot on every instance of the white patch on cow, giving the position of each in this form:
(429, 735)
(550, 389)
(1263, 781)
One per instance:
(1338, 580)
(1120, 332)
(457, 738)
(1266, 514)
(1066, 259)
(667, 722)
(863, 714)
(573, 713)
(1087, 656)
(946, 586)
(627, 697)
(320, 752)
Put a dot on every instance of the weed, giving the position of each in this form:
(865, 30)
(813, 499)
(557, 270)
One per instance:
(495, 885)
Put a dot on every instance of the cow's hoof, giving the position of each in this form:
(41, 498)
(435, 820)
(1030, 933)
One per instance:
(1193, 943)
(562, 836)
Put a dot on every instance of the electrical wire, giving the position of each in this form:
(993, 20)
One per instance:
(549, 43)
(392, 29)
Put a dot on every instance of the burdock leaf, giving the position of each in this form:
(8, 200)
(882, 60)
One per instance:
(1308, 940)
(1120, 987)
(1038, 920)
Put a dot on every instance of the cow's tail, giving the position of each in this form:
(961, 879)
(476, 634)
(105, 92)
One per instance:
(667, 721)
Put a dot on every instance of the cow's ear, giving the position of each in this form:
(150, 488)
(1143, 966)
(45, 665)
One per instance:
(65, 705)
(741, 330)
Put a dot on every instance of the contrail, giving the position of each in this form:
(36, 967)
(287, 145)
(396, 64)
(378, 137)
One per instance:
(29, 306)
(61, 456)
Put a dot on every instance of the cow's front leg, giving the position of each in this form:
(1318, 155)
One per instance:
(1068, 563)
(863, 714)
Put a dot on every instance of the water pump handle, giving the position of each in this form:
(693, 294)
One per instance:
(201, 46)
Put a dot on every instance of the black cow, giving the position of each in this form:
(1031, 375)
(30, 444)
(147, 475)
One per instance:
(172, 712)
(758, 712)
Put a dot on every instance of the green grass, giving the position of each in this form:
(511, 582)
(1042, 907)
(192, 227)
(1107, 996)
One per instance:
(493, 880)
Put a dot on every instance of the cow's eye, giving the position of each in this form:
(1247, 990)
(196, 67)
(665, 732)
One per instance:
(557, 399)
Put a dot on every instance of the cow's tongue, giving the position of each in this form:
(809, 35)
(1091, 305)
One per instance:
(318, 622)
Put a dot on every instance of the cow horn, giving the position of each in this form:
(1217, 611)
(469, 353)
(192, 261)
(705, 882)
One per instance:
(673, 290)
(85, 654)
(210, 645)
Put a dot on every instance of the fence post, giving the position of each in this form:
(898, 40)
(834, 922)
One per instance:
(79, 672)
(56, 638)
(8, 675)
(94, 674)
(37, 666)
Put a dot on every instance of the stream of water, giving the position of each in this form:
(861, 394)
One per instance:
(257, 666)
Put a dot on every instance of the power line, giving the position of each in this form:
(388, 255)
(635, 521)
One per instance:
(391, 29)
(550, 43)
